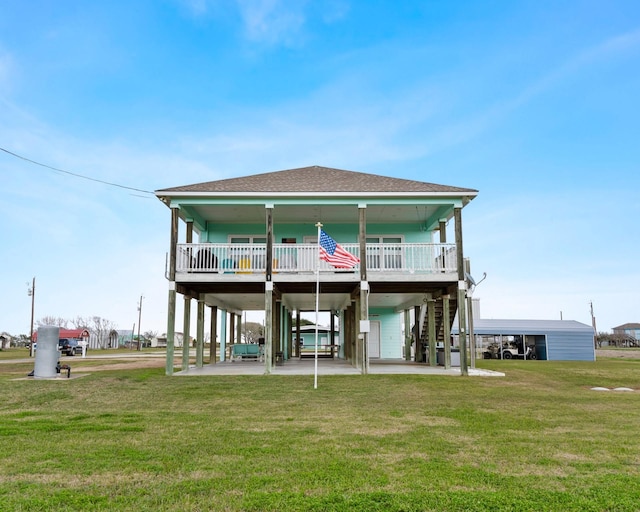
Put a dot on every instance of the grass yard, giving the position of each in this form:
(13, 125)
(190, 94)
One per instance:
(133, 439)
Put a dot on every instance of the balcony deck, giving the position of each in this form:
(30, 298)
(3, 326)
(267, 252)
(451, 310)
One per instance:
(208, 262)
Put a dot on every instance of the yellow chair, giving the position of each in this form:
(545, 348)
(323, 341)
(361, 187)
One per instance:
(244, 263)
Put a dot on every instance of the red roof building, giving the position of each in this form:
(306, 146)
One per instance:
(77, 334)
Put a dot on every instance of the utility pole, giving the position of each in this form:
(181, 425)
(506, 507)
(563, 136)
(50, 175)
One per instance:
(32, 293)
(593, 324)
(139, 318)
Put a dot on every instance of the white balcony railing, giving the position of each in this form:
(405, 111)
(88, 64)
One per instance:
(303, 258)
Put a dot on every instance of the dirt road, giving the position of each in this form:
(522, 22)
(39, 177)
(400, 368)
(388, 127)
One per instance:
(631, 353)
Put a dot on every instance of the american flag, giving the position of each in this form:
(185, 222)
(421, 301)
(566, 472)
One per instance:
(334, 254)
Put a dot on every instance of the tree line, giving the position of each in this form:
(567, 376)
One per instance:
(96, 325)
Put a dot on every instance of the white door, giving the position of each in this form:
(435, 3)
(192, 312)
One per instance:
(374, 339)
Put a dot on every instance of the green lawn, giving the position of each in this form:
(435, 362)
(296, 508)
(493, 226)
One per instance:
(537, 439)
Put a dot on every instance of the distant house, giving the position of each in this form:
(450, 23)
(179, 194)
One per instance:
(631, 329)
(628, 334)
(122, 337)
(161, 341)
(5, 340)
(327, 345)
(308, 336)
(103, 340)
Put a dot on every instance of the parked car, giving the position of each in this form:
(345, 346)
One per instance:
(69, 347)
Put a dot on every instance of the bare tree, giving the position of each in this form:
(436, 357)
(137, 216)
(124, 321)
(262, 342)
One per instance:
(251, 331)
(100, 328)
(81, 323)
(53, 320)
(149, 335)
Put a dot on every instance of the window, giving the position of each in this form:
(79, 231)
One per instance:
(251, 239)
(246, 256)
(384, 252)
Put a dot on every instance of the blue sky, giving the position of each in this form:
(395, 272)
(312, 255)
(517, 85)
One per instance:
(533, 103)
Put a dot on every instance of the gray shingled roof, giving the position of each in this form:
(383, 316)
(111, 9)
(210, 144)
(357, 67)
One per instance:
(628, 326)
(316, 179)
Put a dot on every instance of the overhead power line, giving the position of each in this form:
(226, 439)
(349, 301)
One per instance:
(75, 174)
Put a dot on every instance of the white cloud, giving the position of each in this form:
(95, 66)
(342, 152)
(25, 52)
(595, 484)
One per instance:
(272, 21)
(334, 10)
(196, 7)
(264, 21)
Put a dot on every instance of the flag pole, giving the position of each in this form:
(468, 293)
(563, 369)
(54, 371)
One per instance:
(315, 371)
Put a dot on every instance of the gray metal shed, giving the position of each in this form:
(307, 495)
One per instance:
(554, 340)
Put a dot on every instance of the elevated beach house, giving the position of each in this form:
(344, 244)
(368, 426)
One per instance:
(384, 266)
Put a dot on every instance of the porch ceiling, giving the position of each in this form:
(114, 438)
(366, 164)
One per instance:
(325, 213)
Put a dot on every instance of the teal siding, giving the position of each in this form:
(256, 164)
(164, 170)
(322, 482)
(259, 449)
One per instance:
(219, 233)
(412, 232)
(390, 332)
(309, 338)
(343, 233)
